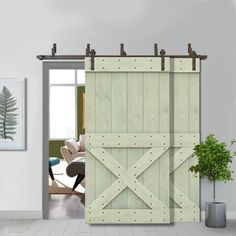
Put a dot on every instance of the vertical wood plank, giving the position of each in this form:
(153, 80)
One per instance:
(194, 106)
(181, 124)
(103, 125)
(119, 125)
(135, 125)
(90, 167)
(164, 103)
(181, 103)
(151, 103)
(165, 128)
(172, 148)
(151, 125)
(186, 120)
(194, 127)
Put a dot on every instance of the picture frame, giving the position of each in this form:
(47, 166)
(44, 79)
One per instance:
(12, 114)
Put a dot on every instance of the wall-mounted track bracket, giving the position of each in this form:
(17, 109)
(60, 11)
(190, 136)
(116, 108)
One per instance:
(54, 49)
(192, 54)
(156, 49)
(122, 50)
(162, 53)
(92, 55)
(87, 52)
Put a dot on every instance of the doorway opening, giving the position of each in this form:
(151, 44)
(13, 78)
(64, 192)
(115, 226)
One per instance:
(63, 140)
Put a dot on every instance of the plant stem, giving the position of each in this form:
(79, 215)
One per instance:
(214, 191)
(4, 117)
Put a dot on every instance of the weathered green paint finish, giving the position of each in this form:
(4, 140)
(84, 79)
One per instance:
(119, 124)
(135, 124)
(141, 126)
(142, 64)
(122, 141)
(103, 113)
(127, 64)
(185, 126)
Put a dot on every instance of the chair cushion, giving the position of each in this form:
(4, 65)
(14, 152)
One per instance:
(53, 161)
(72, 145)
(82, 142)
(77, 166)
(77, 154)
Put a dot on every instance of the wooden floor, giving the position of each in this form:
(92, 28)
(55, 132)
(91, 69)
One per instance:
(79, 228)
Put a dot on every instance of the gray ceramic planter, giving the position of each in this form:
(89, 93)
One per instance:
(215, 214)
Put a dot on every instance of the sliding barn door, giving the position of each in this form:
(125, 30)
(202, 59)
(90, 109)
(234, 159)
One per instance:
(185, 128)
(141, 125)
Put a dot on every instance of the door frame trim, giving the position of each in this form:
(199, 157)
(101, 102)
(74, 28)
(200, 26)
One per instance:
(46, 67)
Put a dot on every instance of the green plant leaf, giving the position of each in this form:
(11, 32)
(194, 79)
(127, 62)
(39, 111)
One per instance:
(8, 117)
(213, 159)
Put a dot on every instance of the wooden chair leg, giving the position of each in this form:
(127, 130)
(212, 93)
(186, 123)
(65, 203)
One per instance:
(50, 172)
(77, 181)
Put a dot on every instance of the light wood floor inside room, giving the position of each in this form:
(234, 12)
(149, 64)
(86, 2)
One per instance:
(79, 228)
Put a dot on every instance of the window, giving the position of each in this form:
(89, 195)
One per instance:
(80, 77)
(63, 102)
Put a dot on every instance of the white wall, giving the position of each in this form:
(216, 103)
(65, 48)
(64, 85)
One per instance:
(29, 27)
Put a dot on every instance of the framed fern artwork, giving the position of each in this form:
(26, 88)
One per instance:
(12, 114)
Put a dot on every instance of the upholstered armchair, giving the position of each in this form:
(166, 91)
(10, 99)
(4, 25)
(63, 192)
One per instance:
(73, 149)
(74, 154)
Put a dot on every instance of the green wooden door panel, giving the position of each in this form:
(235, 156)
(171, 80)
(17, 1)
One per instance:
(141, 126)
(103, 124)
(185, 127)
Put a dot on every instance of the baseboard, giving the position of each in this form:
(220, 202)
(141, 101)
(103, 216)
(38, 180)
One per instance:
(20, 214)
(230, 215)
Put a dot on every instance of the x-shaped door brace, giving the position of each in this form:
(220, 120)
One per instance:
(175, 194)
(127, 178)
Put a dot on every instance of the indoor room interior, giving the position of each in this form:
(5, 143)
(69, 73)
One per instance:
(66, 127)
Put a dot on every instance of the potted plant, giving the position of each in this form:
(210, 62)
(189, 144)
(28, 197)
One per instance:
(213, 162)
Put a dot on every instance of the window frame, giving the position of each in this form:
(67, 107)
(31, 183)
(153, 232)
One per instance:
(64, 66)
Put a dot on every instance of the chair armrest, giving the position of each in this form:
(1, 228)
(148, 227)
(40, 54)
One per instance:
(66, 154)
(78, 154)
